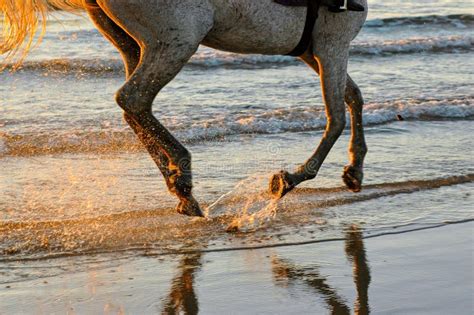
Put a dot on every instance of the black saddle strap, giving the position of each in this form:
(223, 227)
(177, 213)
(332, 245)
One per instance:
(305, 42)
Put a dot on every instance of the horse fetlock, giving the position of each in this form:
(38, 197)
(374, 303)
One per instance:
(180, 183)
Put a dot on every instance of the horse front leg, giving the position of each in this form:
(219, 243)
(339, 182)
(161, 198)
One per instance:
(332, 62)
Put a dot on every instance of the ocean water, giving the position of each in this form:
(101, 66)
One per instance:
(76, 182)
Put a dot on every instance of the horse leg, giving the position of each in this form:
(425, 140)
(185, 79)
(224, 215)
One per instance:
(130, 51)
(332, 63)
(167, 41)
(126, 45)
(353, 173)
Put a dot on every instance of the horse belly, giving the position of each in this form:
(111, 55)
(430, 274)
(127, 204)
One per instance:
(255, 27)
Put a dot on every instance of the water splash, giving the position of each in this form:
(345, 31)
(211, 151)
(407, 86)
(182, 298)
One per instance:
(248, 204)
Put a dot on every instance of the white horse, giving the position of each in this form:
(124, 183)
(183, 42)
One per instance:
(156, 38)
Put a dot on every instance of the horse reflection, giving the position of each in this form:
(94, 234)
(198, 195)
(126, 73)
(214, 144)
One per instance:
(355, 252)
(182, 299)
(285, 271)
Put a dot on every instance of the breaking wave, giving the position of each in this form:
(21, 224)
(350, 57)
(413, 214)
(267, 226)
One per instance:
(214, 128)
(443, 44)
(208, 58)
(455, 20)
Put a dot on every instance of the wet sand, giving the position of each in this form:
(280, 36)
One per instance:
(420, 272)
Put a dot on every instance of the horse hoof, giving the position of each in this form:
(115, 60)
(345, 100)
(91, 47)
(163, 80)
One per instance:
(190, 207)
(281, 184)
(352, 177)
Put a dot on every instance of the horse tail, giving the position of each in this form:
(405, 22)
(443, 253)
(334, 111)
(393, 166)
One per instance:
(23, 20)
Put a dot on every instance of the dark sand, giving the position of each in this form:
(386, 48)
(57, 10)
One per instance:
(420, 272)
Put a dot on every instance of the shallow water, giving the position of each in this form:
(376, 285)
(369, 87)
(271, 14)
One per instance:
(76, 182)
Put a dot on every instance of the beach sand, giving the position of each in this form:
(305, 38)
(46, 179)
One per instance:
(419, 272)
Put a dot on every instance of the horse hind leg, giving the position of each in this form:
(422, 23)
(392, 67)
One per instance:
(333, 69)
(126, 45)
(167, 40)
(353, 173)
(130, 52)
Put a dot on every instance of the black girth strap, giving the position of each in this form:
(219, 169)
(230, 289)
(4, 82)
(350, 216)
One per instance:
(311, 17)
